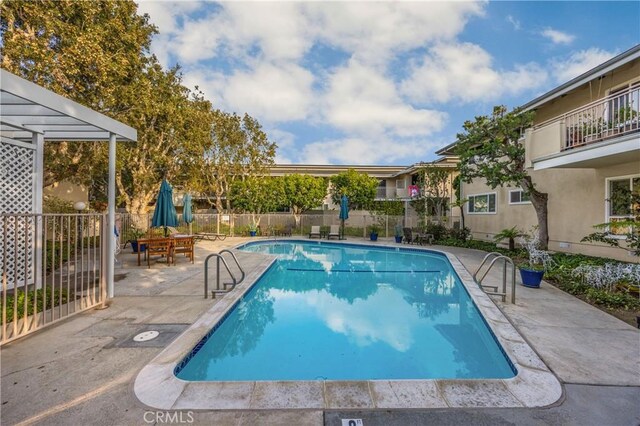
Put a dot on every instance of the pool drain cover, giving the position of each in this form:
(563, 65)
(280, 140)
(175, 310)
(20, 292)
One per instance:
(150, 336)
(146, 336)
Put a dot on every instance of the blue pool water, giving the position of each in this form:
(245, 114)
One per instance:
(347, 312)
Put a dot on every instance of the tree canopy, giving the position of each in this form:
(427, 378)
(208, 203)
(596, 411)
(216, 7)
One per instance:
(360, 188)
(97, 53)
(257, 194)
(237, 149)
(303, 192)
(490, 148)
(434, 183)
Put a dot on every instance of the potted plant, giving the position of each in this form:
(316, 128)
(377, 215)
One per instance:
(508, 234)
(533, 270)
(136, 233)
(253, 229)
(374, 230)
(399, 233)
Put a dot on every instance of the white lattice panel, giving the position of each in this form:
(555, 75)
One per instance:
(17, 235)
(17, 165)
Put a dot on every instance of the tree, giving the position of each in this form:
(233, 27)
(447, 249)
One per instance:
(170, 120)
(257, 195)
(490, 148)
(435, 192)
(236, 150)
(86, 51)
(459, 202)
(360, 188)
(303, 192)
(97, 53)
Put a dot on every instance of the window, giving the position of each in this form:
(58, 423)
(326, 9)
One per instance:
(518, 196)
(482, 203)
(399, 183)
(622, 200)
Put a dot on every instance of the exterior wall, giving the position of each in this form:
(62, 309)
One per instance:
(576, 203)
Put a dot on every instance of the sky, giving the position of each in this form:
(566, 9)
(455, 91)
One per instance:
(384, 83)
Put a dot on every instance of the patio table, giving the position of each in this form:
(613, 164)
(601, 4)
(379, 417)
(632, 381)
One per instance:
(148, 240)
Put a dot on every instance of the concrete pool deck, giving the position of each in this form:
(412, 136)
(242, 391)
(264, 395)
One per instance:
(75, 373)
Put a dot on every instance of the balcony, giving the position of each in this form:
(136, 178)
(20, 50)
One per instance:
(599, 134)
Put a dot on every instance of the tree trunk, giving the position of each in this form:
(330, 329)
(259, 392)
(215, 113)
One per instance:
(539, 201)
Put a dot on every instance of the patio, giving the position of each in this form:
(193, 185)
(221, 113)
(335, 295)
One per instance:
(81, 371)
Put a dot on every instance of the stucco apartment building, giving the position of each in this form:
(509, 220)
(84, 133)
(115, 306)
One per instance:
(395, 182)
(583, 148)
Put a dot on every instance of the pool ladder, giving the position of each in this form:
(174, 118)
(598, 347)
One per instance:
(495, 257)
(225, 286)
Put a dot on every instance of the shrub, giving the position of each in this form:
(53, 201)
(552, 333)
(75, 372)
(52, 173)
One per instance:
(39, 296)
(460, 234)
(438, 231)
(609, 275)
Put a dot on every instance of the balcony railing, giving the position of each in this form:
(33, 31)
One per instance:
(606, 118)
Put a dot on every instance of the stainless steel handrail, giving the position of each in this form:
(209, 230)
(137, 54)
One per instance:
(219, 258)
(237, 263)
(496, 257)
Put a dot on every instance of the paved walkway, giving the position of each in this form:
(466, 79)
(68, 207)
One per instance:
(78, 372)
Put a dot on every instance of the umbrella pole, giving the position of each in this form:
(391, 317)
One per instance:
(342, 237)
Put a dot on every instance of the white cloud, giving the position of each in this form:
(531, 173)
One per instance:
(557, 37)
(362, 100)
(373, 30)
(381, 149)
(513, 21)
(286, 145)
(523, 77)
(578, 63)
(267, 92)
(287, 30)
(164, 15)
(464, 72)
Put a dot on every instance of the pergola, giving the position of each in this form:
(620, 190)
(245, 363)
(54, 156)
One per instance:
(31, 115)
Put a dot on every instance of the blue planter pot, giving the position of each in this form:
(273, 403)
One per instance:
(134, 247)
(253, 233)
(531, 278)
(374, 237)
(399, 239)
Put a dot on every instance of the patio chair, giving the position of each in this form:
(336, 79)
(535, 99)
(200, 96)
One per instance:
(315, 232)
(408, 235)
(286, 231)
(334, 232)
(159, 247)
(185, 246)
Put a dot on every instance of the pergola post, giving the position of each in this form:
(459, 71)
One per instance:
(111, 215)
(38, 142)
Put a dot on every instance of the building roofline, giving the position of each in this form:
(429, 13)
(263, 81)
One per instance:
(598, 71)
(446, 150)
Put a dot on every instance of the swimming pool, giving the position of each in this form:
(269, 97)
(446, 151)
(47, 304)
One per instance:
(333, 311)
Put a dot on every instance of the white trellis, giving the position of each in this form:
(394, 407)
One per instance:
(17, 163)
(30, 116)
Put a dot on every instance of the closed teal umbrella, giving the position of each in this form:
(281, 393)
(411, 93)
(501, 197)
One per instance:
(187, 214)
(165, 212)
(344, 211)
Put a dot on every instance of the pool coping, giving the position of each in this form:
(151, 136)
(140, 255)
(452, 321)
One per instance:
(534, 385)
